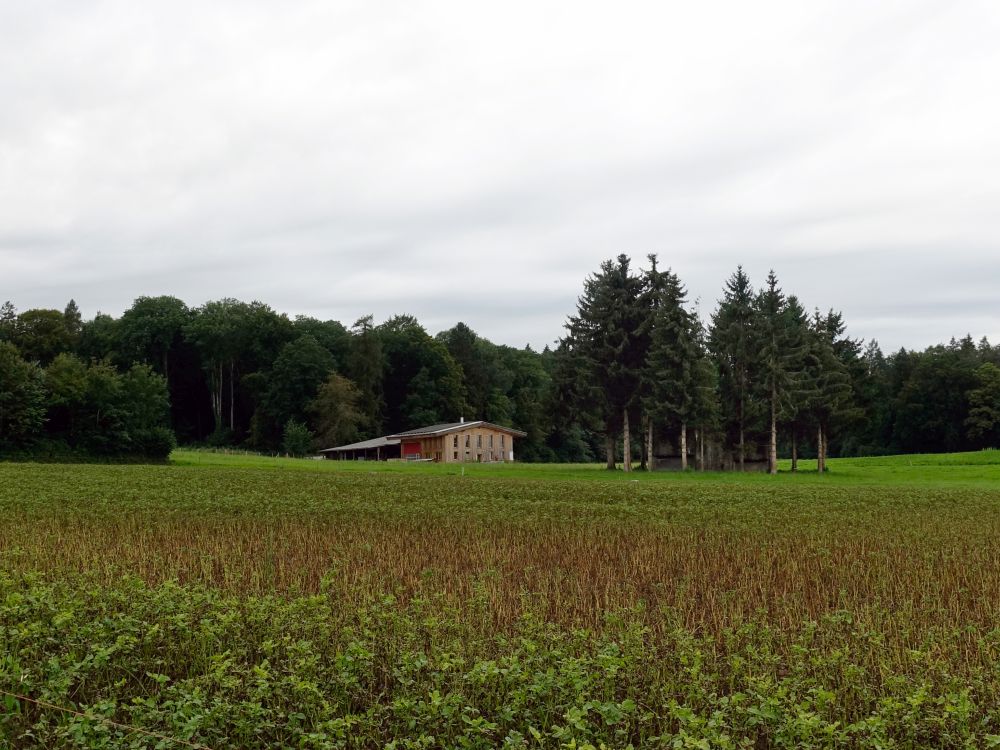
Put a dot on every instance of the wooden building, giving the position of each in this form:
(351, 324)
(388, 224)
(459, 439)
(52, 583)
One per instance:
(451, 442)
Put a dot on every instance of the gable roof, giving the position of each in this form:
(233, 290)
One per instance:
(446, 427)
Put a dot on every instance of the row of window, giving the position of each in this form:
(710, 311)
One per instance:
(479, 441)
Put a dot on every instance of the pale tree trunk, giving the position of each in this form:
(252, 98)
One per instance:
(795, 449)
(627, 447)
(741, 433)
(651, 460)
(684, 446)
(221, 399)
(820, 462)
(825, 447)
(772, 450)
(644, 461)
(609, 448)
(217, 396)
(232, 410)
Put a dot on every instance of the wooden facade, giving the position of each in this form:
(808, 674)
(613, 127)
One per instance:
(459, 442)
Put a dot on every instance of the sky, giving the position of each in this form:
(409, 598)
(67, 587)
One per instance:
(474, 162)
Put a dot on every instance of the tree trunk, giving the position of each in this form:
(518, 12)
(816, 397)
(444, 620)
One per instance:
(819, 450)
(741, 433)
(651, 460)
(684, 446)
(232, 415)
(216, 385)
(627, 447)
(824, 448)
(609, 448)
(772, 449)
(644, 460)
(795, 450)
(222, 400)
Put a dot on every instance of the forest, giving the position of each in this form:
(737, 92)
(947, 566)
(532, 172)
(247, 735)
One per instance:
(762, 377)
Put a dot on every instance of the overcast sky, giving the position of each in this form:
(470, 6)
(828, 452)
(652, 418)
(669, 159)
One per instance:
(475, 161)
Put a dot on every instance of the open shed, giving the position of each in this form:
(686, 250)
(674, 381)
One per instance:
(376, 449)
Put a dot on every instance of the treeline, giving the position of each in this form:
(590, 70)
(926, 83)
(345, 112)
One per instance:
(637, 368)
(764, 377)
(55, 404)
(243, 374)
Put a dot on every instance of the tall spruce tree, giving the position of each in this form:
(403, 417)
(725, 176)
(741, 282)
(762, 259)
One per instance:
(365, 365)
(830, 381)
(781, 349)
(605, 332)
(801, 403)
(671, 359)
(732, 340)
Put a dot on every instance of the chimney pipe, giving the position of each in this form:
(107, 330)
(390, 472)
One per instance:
(461, 420)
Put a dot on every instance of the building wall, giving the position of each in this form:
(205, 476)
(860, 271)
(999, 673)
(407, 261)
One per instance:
(479, 444)
(471, 445)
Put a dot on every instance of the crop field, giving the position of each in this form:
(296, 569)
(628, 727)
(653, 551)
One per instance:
(236, 601)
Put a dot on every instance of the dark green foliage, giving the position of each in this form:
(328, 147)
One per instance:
(671, 368)
(42, 334)
(334, 412)
(297, 439)
(151, 331)
(932, 403)
(22, 399)
(330, 334)
(733, 340)
(73, 321)
(607, 346)
(8, 321)
(422, 383)
(77, 409)
(291, 385)
(100, 338)
(632, 351)
(366, 366)
(983, 422)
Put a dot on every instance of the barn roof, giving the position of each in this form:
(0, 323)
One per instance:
(446, 427)
(379, 442)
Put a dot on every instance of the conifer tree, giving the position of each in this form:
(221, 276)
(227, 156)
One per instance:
(605, 336)
(74, 321)
(670, 370)
(732, 341)
(8, 321)
(800, 404)
(781, 347)
(830, 380)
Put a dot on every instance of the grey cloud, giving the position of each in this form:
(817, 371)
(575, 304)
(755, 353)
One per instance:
(466, 162)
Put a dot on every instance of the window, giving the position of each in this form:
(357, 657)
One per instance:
(479, 441)
(456, 441)
(491, 440)
(456, 452)
(467, 439)
(501, 441)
